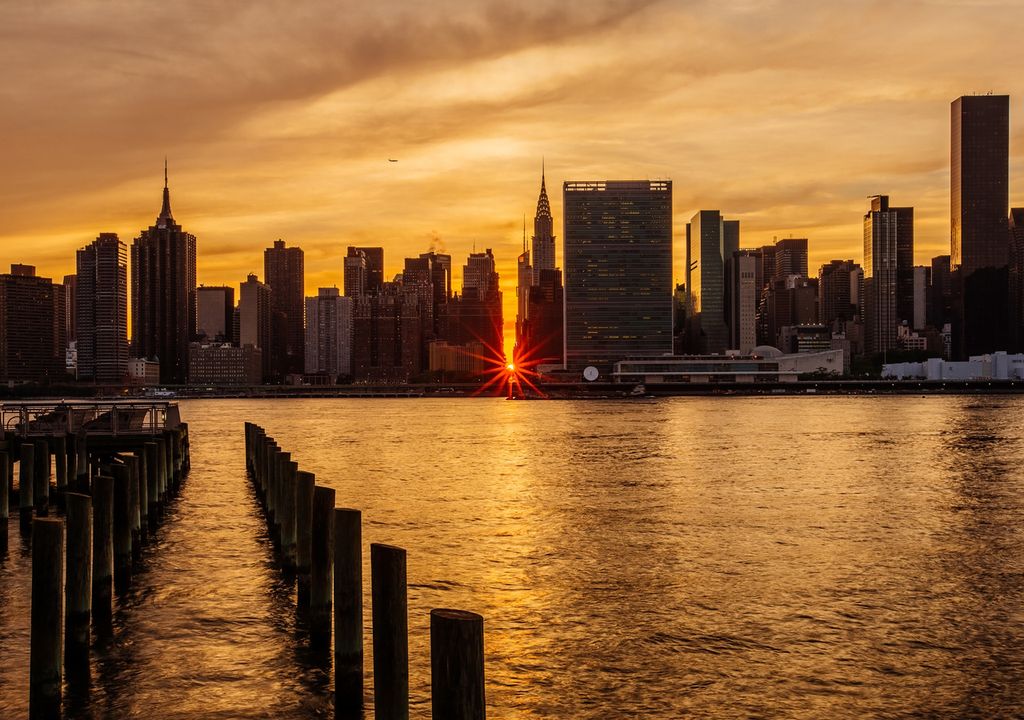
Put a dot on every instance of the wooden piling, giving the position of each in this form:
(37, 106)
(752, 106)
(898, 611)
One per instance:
(78, 586)
(5, 489)
(47, 623)
(60, 457)
(135, 514)
(140, 463)
(81, 463)
(103, 548)
(152, 485)
(122, 527)
(26, 471)
(304, 484)
(288, 509)
(457, 665)
(322, 561)
(348, 611)
(41, 478)
(390, 632)
(161, 461)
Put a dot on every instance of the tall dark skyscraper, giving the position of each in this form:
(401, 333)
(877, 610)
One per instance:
(883, 226)
(163, 260)
(255, 320)
(979, 207)
(617, 249)
(543, 255)
(29, 344)
(284, 272)
(215, 307)
(101, 307)
(710, 240)
(839, 293)
(790, 258)
(1016, 279)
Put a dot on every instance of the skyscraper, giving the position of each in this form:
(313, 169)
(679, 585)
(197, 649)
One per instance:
(743, 295)
(525, 280)
(356, 273)
(882, 226)
(284, 274)
(163, 260)
(979, 207)
(215, 307)
(101, 306)
(1016, 280)
(710, 240)
(838, 296)
(29, 345)
(617, 249)
(329, 334)
(374, 267)
(479, 273)
(255, 313)
(790, 258)
(70, 319)
(543, 254)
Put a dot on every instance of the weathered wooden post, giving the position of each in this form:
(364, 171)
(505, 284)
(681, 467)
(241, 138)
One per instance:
(172, 479)
(41, 478)
(348, 611)
(152, 484)
(81, 463)
(5, 493)
(161, 460)
(26, 470)
(288, 509)
(280, 463)
(46, 645)
(103, 549)
(322, 561)
(141, 471)
(390, 632)
(304, 484)
(122, 527)
(135, 514)
(60, 458)
(78, 586)
(457, 665)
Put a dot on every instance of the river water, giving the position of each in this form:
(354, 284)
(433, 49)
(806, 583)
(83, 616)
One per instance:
(840, 557)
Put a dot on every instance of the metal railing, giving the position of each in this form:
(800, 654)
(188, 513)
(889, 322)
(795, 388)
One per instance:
(73, 417)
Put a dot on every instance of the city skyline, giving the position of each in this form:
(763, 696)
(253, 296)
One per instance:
(301, 153)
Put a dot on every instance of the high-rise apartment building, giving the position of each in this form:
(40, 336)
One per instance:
(215, 307)
(479, 273)
(163, 277)
(329, 319)
(882, 227)
(790, 258)
(1016, 280)
(387, 336)
(542, 339)
(543, 241)
(70, 319)
(617, 250)
(101, 308)
(524, 280)
(979, 207)
(941, 291)
(743, 295)
(255, 317)
(838, 293)
(356, 273)
(710, 241)
(30, 346)
(284, 272)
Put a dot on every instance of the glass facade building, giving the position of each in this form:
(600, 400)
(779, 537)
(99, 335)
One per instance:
(617, 249)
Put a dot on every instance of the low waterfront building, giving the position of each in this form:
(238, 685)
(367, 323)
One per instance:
(143, 372)
(224, 364)
(764, 364)
(995, 366)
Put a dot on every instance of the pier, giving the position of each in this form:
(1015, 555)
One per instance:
(94, 479)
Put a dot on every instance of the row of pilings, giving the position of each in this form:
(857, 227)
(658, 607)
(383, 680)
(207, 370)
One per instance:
(87, 504)
(321, 546)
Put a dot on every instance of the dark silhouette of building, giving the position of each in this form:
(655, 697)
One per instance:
(839, 284)
(542, 342)
(882, 227)
(215, 310)
(31, 327)
(790, 258)
(255, 321)
(387, 336)
(524, 281)
(940, 309)
(979, 207)
(70, 319)
(163, 278)
(617, 251)
(284, 273)
(356, 273)
(543, 241)
(101, 306)
(374, 278)
(786, 303)
(710, 240)
(766, 269)
(329, 334)
(1016, 279)
(742, 296)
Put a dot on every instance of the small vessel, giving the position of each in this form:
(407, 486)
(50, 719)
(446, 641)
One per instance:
(638, 391)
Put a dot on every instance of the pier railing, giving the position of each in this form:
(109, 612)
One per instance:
(105, 417)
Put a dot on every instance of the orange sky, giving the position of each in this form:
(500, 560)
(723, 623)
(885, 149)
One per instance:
(279, 117)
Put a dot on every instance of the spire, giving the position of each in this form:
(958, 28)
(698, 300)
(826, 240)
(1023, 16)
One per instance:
(543, 205)
(165, 217)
